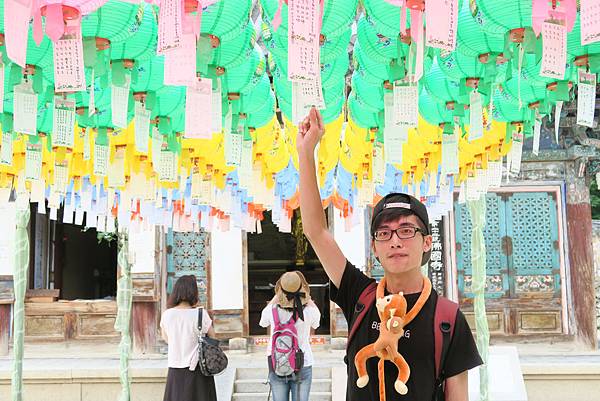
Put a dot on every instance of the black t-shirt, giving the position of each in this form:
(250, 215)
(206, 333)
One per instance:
(417, 345)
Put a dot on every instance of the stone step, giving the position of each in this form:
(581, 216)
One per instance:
(259, 386)
(263, 373)
(324, 396)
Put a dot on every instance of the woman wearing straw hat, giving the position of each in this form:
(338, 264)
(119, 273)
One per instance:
(291, 301)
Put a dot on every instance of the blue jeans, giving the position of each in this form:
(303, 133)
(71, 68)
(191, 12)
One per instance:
(298, 386)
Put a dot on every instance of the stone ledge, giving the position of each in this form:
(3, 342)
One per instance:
(591, 371)
(138, 375)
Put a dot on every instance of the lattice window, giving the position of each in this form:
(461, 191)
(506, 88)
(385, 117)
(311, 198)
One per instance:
(493, 242)
(521, 236)
(190, 253)
(533, 231)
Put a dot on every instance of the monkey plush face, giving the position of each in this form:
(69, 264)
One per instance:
(391, 305)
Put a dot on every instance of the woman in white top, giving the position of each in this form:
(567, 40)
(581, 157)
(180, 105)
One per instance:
(179, 328)
(292, 300)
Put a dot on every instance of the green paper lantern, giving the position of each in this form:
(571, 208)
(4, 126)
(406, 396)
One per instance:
(226, 19)
(362, 117)
(150, 75)
(371, 96)
(505, 109)
(169, 100)
(529, 92)
(337, 15)
(142, 45)
(101, 96)
(498, 17)
(471, 39)
(115, 20)
(332, 48)
(373, 72)
(44, 119)
(439, 86)
(245, 76)
(379, 48)
(262, 116)
(235, 51)
(456, 66)
(433, 112)
(385, 17)
(253, 100)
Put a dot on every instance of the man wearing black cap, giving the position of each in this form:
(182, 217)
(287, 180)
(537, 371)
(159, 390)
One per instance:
(401, 241)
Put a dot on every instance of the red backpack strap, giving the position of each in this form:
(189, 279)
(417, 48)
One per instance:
(275, 317)
(365, 300)
(444, 320)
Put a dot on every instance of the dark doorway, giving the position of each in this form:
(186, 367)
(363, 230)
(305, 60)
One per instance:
(89, 269)
(78, 262)
(272, 253)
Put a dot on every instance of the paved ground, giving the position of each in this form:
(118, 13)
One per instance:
(102, 360)
(38, 355)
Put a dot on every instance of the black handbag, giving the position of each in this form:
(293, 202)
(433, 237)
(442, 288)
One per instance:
(211, 358)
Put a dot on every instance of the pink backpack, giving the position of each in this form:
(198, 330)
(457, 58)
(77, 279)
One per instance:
(286, 356)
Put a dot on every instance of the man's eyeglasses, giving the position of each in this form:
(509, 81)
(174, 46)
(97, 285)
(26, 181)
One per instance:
(405, 232)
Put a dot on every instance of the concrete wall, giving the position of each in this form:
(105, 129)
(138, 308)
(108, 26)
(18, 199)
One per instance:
(351, 237)
(227, 275)
(100, 382)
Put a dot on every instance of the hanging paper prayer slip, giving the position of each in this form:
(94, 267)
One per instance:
(406, 105)
(170, 28)
(141, 127)
(586, 98)
(590, 17)
(554, 56)
(63, 122)
(69, 73)
(394, 135)
(33, 161)
(516, 150)
(198, 109)
(476, 116)
(6, 151)
(441, 19)
(303, 40)
(25, 105)
(450, 160)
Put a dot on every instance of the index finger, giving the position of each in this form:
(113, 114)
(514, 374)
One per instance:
(319, 119)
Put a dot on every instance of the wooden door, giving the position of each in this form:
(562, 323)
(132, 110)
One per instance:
(523, 263)
(189, 253)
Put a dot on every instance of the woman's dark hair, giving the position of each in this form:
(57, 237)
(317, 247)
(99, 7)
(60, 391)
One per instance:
(184, 290)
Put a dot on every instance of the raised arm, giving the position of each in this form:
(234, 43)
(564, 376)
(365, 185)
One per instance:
(314, 224)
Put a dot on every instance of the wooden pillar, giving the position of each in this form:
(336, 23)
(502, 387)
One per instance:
(581, 259)
(144, 326)
(4, 328)
(146, 279)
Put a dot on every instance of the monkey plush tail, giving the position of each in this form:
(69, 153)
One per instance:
(381, 377)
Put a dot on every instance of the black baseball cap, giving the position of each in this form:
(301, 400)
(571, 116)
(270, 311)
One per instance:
(398, 204)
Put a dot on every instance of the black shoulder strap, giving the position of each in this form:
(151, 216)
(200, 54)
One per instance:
(444, 321)
(365, 300)
(200, 320)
